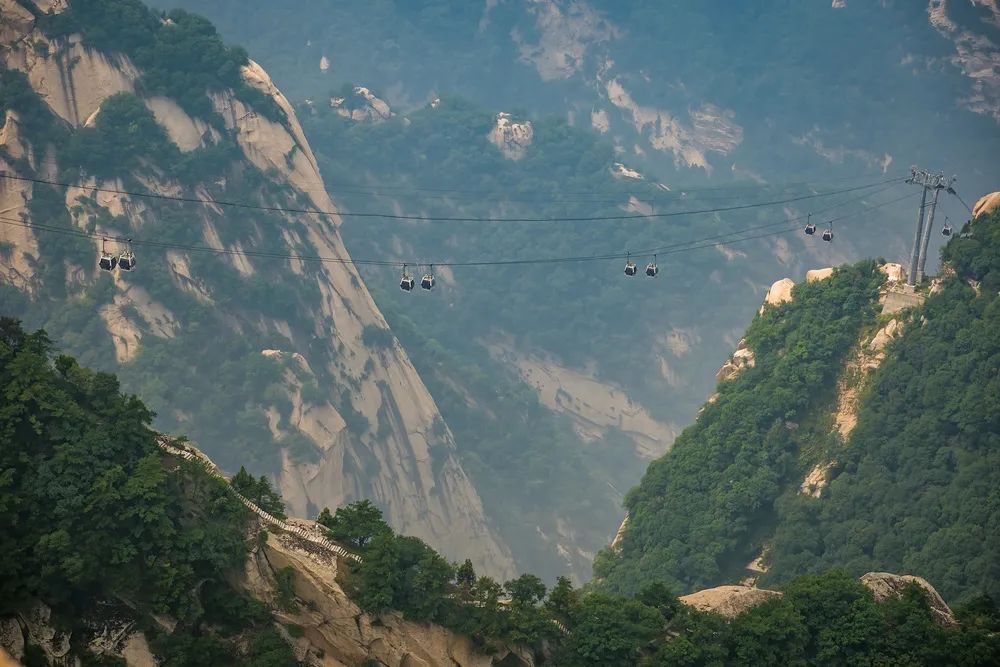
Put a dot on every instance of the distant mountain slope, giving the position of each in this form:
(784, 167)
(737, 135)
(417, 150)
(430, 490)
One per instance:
(283, 364)
(815, 87)
(853, 439)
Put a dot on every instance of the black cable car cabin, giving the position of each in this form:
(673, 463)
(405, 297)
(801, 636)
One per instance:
(810, 229)
(406, 282)
(126, 262)
(108, 261)
(827, 234)
(652, 269)
(427, 282)
(946, 230)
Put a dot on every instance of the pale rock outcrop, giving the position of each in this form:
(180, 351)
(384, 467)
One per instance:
(187, 132)
(620, 533)
(19, 252)
(511, 137)
(731, 601)
(364, 107)
(74, 81)
(884, 335)
(411, 469)
(816, 275)
(986, 205)
(894, 273)
(885, 585)
(709, 129)
(780, 292)
(618, 170)
(742, 358)
(728, 601)
(17, 22)
(566, 32)
(817, 479)
(36, 623)
(599, 121)
(137, 652)
(594, 406)
(840, 154)
(336, 632)
(124, 333)
(976, 54)
(11, 637)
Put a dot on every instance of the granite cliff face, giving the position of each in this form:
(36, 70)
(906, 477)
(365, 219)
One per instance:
(405, 458)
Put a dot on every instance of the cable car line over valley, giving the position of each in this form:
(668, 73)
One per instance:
(125, 259)
(419, 218)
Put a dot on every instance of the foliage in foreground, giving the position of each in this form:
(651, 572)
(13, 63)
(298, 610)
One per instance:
(829, 618)
(89, 513)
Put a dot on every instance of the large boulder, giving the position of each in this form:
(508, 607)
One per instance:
(728, 601)
(885, 585)
(780, 292)
(985, 205)
(894, 273)
(511, 137)
(819, 274)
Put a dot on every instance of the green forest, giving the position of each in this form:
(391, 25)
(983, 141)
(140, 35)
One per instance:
(95, 521)
(701, 511)
(94, 512)
(913, 489)
(827, 618)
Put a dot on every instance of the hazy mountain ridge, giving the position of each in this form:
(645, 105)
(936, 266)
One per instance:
(326, 319)
(614, 99)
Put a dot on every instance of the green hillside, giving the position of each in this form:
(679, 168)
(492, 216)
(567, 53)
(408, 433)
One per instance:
(94, 513)
(96, 522)
(913, 488)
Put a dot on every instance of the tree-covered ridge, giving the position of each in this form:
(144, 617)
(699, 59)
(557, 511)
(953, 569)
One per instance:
(180, 54)
(92, 514)
(825, 619)
(916, 487)
(92, 511)
(700, 512)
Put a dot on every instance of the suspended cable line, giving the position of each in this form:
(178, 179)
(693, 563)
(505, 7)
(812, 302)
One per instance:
(651, 194)
(684, 246)
(390, 216)
(676, 189)
(954, 192)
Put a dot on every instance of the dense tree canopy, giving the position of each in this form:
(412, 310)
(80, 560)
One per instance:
(916, 487)
(90, 511)
(696, 517)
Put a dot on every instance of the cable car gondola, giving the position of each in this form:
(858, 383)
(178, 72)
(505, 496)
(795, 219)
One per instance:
(406, 283)
(427, 282)
(947, 229)
(108, 262)
(828, 233)
(126, 261)
(652, 269)
(810, 227)
(630, 268)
